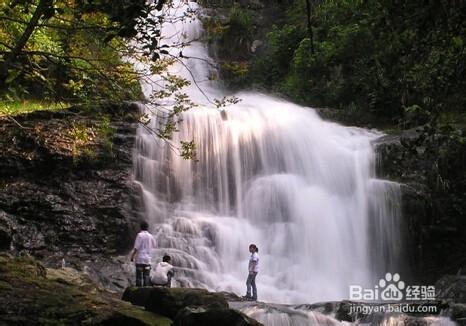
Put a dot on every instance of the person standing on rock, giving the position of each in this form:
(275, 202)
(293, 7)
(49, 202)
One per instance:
(253, 269)
(142, 254)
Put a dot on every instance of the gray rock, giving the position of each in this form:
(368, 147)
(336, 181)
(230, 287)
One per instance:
(452, 288)
(457, 311)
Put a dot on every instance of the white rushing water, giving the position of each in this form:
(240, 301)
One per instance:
(281, 315)
(272, 173)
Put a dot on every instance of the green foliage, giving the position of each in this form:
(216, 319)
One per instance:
(241, 21)
(91, 142)
(105, 133)
(234, 37)
(12, 107)
(82, 52)
(283, 42)
(70, 51)
(188, 150)
(235, 72)
(444, 147)
(381, 57)
(81, 137)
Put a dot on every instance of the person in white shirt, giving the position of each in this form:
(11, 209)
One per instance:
(142, 255)
(163, 273)
(253, 269)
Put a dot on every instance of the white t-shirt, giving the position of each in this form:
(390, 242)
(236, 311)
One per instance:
(160, 273)
(254, 262)
(144, 244)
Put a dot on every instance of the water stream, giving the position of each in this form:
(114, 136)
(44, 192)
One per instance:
(268, 172)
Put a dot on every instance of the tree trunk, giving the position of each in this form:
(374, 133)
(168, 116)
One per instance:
(310, 32)
(21, 43)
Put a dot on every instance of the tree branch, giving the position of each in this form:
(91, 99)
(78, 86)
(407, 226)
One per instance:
(21, 43)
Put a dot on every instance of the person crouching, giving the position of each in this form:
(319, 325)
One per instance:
(163, 273)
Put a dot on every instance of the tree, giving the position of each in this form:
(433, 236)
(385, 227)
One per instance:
(84, 51)
(58, 46)
(310, 32)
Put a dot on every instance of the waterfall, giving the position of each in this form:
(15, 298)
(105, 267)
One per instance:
(268, 172)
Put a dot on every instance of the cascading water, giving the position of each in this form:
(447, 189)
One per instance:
(267, 172)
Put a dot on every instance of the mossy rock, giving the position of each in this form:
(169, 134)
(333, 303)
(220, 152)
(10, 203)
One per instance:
(169, 302)
(137, 296)
(33, 295)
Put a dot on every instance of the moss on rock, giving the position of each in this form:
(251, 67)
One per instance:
(33, 295)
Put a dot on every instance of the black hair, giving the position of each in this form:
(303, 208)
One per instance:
(254, 246)
(144, 226)
(166, 258)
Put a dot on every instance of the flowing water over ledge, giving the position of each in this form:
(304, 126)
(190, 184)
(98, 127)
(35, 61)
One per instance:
(328, 314)
(268, 172)
(275, 174)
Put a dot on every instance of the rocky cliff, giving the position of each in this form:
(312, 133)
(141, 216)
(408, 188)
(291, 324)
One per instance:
(66, 194)
(432, 201)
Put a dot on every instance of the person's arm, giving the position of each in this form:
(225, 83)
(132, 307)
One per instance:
(135, 251)
(137, 244)
(171, 271)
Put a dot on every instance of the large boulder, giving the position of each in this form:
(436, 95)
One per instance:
(188, 306)
(169, 302)
(201, 317)
(137, 296)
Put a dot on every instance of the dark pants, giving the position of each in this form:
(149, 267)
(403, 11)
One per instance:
(142, 275)
(251, 283)
(169, 281)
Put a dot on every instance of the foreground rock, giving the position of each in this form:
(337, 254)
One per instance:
(201, 316)
(66, 189)
(188, 306)
(33, 295)
(452, 289)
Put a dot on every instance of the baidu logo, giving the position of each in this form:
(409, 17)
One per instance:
(392, 288)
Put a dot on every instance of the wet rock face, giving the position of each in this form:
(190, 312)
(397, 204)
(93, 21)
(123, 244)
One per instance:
(436, 236)
(65, 184)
